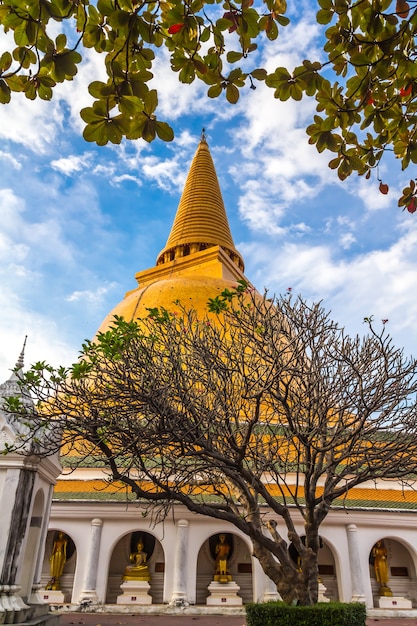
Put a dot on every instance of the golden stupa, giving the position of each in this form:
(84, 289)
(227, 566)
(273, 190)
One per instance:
(199, 259)
(198, 262)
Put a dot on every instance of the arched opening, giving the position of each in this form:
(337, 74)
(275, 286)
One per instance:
(123, 557)
(327, 572)
(59, 566)
(239, 565)
(391, 570)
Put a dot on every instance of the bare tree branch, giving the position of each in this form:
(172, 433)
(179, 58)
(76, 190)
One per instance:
(263, 407)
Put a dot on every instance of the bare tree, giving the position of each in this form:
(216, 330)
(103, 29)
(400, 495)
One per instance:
(263, 409)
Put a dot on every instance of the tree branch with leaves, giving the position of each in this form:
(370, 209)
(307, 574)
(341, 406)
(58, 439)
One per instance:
(363, 81)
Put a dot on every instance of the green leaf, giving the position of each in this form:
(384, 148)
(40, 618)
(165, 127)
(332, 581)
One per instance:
(324, 16)
(5, 61)
(119, 19)
(151, 101)
(187, 73)
(233, 57)
(105, 7)
(4, 92)
(232, 93)
(16, 83)
(30, 89)
(271, 30)
(90, 114)
(130, 105)
(149, 129)
(223, 24)
(96, 132)
(25, 57)
(60, 42)
(259, 74)
(282, 20)
(96, 88)
(334, 163)
(215, 91)
(164, 131)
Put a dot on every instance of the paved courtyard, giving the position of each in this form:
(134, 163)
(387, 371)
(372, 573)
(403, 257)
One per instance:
(106, 619)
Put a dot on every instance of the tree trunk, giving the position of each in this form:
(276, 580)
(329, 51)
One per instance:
(294, 585)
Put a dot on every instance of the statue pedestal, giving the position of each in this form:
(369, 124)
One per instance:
(135, 592)
(224, 594)
(271, 596)
(53, 596)
(395, 602)
(322, 593)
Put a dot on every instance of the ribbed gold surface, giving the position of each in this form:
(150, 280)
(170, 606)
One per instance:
(201, 217)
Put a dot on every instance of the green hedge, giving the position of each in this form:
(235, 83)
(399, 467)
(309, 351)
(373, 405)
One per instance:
(324, 614)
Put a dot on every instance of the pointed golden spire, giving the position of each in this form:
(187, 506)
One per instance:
(201, 220)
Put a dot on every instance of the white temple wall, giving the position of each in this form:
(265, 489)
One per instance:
(119, 520)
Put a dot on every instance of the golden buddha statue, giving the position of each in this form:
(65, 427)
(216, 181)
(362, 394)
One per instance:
(221, 570)
(380, 555)
(57, 561)
(139, 570)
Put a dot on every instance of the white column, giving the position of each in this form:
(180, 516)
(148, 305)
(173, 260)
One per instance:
(355, 564)
(90, 577)
(179, 593)
(35, 596)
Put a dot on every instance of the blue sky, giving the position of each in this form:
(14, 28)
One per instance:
(77, 221)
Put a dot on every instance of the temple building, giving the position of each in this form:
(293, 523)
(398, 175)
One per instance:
(106, 552)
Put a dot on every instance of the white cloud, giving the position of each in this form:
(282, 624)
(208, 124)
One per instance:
(33, 123)
(346, 240)
(166, 173)
(71, 164)
(372, 198)
(121, 179)
(45, 341)
(38, 259)
(95, 297)
(74, 95)
(38, 124)
(10, 209)
(258, 209)
(175, 98)
(7, 156)
(378, 282)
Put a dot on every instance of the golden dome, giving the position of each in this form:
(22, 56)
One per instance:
(190, 292)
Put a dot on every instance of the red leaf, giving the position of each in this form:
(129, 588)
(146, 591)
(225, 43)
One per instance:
(402, 8)
(383, 188)
(232, 16)
(412, 208)
(405, 91)
(368, 98)
(175, 28)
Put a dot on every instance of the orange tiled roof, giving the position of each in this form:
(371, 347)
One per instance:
(358, 498)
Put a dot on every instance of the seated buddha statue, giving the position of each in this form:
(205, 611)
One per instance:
(139, 568)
